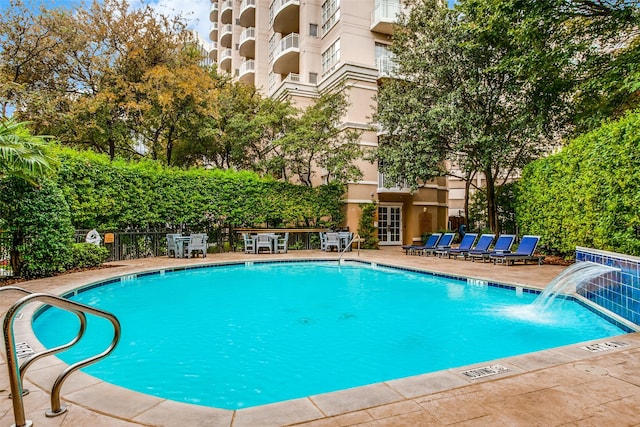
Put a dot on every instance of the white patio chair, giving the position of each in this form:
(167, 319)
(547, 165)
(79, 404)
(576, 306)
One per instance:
(172, 247)
(283, 242)
(249, 244)
(333, 240)
(264, 241)
(323, 241)
(197, 243)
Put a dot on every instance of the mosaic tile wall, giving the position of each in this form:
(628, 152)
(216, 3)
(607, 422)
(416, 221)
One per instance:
(618, 292)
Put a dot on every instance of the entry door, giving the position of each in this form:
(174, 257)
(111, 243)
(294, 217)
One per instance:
(390, 225)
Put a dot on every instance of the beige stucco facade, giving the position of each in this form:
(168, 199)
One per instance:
(296, 50)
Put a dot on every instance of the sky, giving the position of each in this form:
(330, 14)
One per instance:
(195, 12)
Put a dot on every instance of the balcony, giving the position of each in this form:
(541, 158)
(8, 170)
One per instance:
(248, 43)
(284, 16)
(225, 60)
(286, 55)
(389, 186)
(213, 52)
(384, 16)
(248, 13)
(213, 12)
(247, 71)
(386, 66)
(226, 12)
(213, 31)
(225, 35)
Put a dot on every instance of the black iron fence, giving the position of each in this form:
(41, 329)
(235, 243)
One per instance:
(5, 256)
(130, 245)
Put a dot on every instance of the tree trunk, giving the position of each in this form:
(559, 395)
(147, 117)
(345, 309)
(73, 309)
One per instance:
(492, 209)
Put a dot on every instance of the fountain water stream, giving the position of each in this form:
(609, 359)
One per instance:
(568, 281)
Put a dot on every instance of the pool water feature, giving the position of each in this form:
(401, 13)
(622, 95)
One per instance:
(239, 336)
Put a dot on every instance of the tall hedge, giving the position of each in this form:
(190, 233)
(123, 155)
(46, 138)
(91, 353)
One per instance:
(588, 194)
(38, 221)
(144, 195)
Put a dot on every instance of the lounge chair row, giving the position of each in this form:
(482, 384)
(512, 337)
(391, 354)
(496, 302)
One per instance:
(440, 244)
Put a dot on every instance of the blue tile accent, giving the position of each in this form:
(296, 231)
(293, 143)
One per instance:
(618, 292)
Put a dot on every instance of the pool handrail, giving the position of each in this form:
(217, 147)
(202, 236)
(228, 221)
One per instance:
(16, 372)
(353, 238)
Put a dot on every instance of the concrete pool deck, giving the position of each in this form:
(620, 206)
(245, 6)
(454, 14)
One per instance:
(563, 386)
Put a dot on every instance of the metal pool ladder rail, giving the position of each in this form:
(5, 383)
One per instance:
(16, 372)
(353, 239)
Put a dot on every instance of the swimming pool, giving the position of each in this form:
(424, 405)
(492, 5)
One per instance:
(265, 332)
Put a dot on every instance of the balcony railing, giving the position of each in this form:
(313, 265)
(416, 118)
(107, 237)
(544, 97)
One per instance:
(213, 11)
(249, 33)
(213, 31)
(226, 54)
(247, 3)
(385, 15)
(291, 41)
(386, 66)
(392, 185)
(247, 67)
(277, 5)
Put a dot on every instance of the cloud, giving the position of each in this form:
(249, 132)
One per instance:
(194, 12)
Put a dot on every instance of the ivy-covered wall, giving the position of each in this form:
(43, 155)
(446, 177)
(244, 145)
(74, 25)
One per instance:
(588, 194)
(144, 195)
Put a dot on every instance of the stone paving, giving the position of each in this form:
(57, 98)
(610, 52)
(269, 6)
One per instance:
(566, 386)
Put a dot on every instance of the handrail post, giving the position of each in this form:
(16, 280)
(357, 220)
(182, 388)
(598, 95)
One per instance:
(15, 371)
(15, 382)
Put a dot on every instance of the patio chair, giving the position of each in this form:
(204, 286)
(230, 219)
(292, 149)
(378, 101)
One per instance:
(431, 243)
(282, 244)
(264, 241)
(172, 247)
(524, 252)
(249, 244)
(323, 241)
(503, 244)
(443, 244)
(333, 240)
(465, 245)
(197, 243)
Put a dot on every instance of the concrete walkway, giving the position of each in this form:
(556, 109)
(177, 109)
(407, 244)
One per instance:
(563, 386)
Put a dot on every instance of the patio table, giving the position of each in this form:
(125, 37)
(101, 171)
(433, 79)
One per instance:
(181, 245)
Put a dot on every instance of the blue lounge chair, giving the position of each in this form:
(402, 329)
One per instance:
(465, 246)
(484, 242)
(503, 245)
(524, 252)
(443, 244)
(431, 243)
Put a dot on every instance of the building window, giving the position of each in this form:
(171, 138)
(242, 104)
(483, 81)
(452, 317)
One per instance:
(331, 57)
(313, 30)
(313, 78)
(330, 14)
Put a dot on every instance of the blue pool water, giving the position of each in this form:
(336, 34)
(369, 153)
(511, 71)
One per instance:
(239, 336)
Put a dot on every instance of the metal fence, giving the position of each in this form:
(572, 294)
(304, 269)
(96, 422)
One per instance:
(5, 256)
(131, 245)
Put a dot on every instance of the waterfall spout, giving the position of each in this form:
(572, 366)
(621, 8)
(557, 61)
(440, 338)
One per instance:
(569, 280)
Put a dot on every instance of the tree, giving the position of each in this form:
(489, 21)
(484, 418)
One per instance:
(109, 77)
(466, 94)
(21, 154)
(317, 142)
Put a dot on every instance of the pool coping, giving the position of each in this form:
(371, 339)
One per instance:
(87, 391)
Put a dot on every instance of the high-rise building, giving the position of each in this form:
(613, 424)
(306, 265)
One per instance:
(296, 50)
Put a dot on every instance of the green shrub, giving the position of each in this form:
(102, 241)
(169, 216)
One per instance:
(120, 195)
(39, 222)
(588, 194)
(366, 226)
(85, 255)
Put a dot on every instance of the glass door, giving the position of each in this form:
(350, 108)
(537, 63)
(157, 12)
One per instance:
(390, 225)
